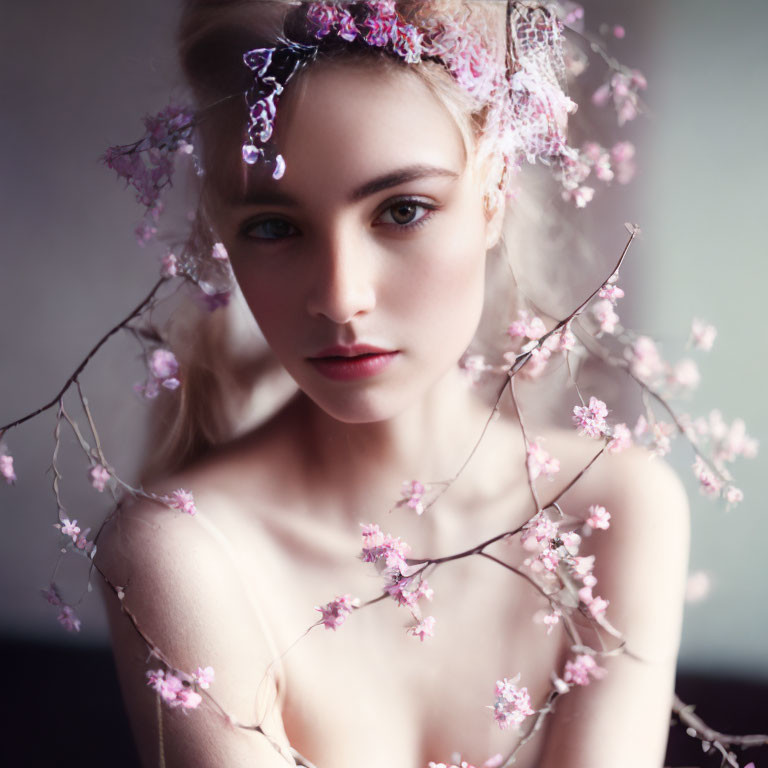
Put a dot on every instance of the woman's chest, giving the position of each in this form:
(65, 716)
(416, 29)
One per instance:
(371, 692)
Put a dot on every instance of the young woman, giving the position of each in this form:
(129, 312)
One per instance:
(362, 243)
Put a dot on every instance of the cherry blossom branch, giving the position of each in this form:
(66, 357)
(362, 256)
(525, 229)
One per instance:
(135, 313)
(706, 733)
(541, 716)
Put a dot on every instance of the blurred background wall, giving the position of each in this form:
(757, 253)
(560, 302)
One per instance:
(77, 76)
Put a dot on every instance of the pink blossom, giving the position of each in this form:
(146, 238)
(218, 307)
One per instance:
(163, 364)
(52, 595)
(379, 547)
(347, 29)
(413, 496)
(322, 15)
(697, 586)
(473, 366)
(549, 559)
(512, 704)
(99, 477)
(709, 483)
(424, 629)
(335, 613)
(536, 362)
(68, 619)
(6, 468)
(622, 156)
(590, 419)
(645, 362)
(539, 528)
(621, 438)
(581, 196)
(551, 620)
(702, 335)
(611, 292)
(582, 568)
(601, 96)
(400, 592)
(187, 699)
(182, 500)
(567, 339)
(571, 541)
(169, 265)
(604, 313)
(527, 326)
(733, 495)
(598, 517)
(578, 671)
(82, 542)
(69, 528)
(204, 677)
(619, 32)
(219, 252)
(685, 375)
(595, 604)
(539, 462)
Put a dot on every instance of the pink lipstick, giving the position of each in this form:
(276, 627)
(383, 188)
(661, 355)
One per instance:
(350, 363)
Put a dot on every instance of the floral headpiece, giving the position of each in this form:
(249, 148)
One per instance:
(517, 80)
(523, 86)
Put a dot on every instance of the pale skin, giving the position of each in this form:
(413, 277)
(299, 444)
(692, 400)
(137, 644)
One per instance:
(278, 528)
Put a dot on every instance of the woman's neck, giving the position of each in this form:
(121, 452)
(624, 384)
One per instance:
(429, 442)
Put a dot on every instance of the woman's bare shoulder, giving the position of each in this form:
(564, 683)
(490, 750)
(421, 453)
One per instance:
(175, 600)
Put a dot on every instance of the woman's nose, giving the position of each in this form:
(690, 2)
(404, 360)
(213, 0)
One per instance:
(343, 282)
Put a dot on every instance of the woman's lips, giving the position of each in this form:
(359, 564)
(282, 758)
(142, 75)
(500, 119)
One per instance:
(359, 361)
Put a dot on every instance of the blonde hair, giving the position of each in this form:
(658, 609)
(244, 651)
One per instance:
(230, 381)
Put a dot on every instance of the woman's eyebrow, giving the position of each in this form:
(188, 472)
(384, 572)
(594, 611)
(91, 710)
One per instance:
(378, 184)
(400, 176)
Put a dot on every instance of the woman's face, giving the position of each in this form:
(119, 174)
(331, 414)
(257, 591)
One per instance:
(364, 265)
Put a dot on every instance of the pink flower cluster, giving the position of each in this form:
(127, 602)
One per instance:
(99, 476)
(646, 363)
(71, 529)
(66, 616)
(335, 613)
(176, 690)
(533, 328)
(425, 628)
(539, 462)
(512, 704)
(582, 669)
(163, 372)
(702, 335)
(413, 496)
(590, 419)
(6, 468)
(148, 165)
(621, 438)
(603, 310)
(389, 554)
(182, 500)
(492, 762)
(622, 89)
(380, 548)
(607, 164)
(598, 517)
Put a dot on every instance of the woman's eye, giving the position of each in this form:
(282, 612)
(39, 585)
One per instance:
(269, 229)
(406, 213)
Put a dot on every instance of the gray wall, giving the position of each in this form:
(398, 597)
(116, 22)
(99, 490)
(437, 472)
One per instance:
(76, 77)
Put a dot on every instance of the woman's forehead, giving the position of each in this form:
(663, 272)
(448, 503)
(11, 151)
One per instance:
(344, 126)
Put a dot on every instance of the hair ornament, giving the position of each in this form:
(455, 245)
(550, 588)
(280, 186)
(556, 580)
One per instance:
(517, 81)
